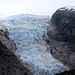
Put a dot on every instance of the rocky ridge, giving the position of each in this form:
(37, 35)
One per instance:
(9, 62)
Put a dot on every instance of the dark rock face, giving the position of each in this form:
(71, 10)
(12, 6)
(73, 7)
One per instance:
(9, 62)
(61, 32)
(70, 72)
(6, 41)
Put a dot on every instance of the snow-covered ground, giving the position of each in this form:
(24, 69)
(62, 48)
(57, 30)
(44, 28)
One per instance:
(29, 33)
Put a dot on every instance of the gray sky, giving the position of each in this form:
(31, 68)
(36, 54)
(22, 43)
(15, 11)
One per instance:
(38, 7)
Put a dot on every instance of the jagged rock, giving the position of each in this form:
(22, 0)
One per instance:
(61, 32)
(9, 62)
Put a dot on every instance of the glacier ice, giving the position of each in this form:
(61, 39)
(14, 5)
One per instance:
(27, 32)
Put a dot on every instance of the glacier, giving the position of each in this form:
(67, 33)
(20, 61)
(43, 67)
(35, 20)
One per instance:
(29, 32)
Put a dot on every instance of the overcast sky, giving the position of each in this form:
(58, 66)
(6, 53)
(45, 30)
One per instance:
(38, 7)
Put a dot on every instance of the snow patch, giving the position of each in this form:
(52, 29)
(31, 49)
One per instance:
(69, 8)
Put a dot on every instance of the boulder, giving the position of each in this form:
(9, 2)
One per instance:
(61, 32)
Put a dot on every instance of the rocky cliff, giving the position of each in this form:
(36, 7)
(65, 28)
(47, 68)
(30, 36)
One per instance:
(61, 32)
(9, 62)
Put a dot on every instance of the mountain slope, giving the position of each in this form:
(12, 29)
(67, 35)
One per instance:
(9, 62)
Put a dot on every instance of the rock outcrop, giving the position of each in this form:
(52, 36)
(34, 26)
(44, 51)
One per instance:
(61, 32)
(9, 62)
